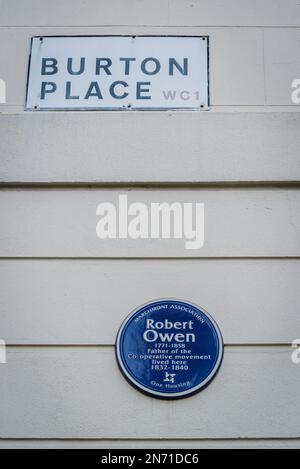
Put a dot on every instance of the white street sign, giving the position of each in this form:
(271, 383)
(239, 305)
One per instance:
(118, 72)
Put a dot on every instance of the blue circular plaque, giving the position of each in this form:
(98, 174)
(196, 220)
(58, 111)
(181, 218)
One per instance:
(169, 349)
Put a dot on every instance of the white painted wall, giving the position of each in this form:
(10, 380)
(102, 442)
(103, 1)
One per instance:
(250, 66)
(63, 294)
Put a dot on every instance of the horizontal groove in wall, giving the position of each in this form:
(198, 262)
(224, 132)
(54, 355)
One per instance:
(153, 259)
(139, 185)
(148, 444)
(150, 259)
(122, 26)
(75, 440)
(152, 26)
